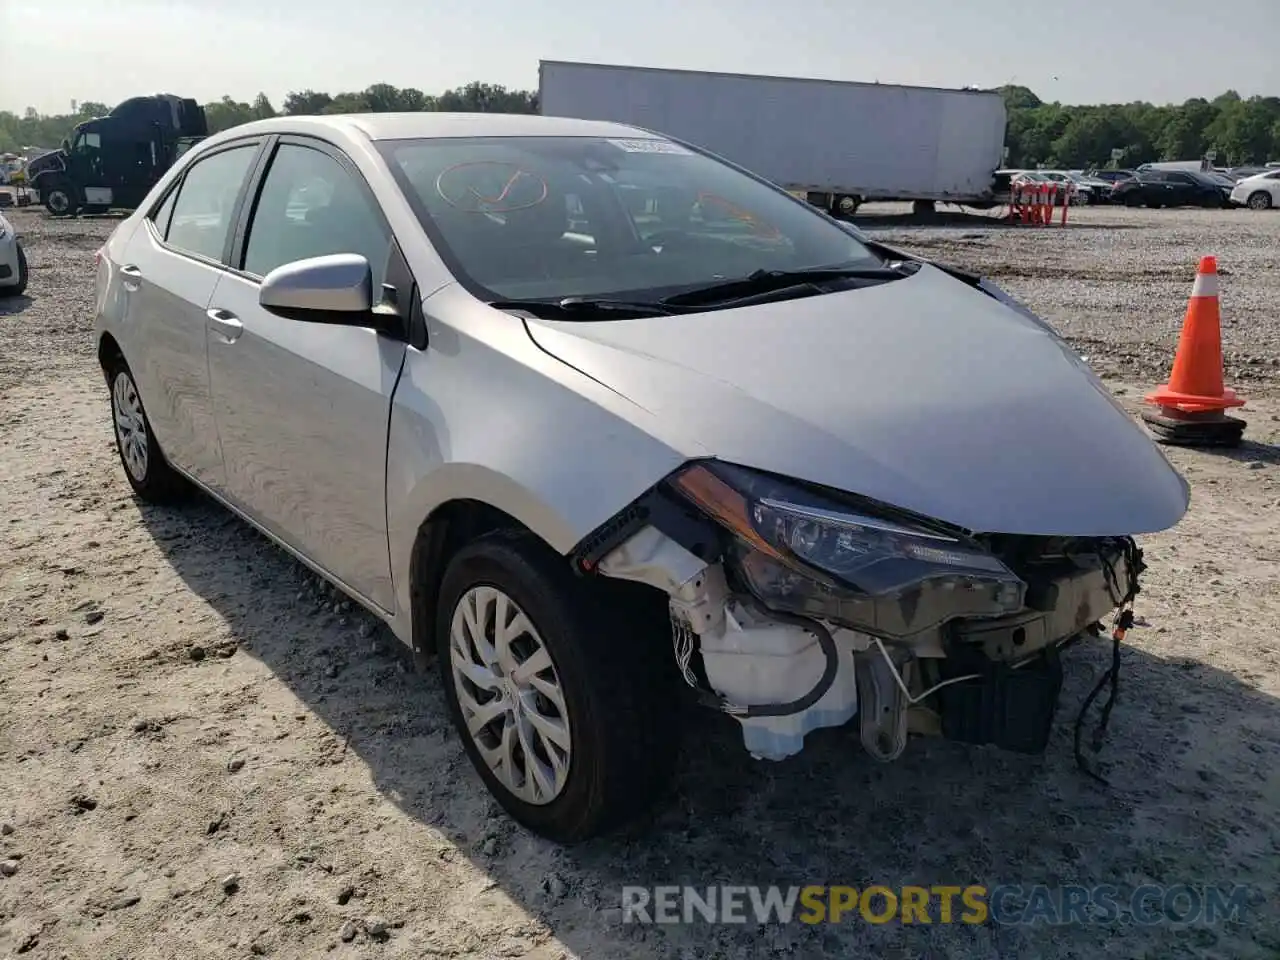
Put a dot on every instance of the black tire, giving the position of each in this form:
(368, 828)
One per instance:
(1259, 200)
(617, 678)
(60, 199)
(20, 287)
(844, 206)
(155, 481)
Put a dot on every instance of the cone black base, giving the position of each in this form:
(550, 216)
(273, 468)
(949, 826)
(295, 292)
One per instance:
(1213, 429)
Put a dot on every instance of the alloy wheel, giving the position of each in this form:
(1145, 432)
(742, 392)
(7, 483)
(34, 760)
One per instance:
(131, 426)
(510, 695)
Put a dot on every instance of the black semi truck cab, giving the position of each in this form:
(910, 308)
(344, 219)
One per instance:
(113, 161)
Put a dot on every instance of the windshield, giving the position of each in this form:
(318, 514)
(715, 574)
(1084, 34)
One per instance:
(640, 219)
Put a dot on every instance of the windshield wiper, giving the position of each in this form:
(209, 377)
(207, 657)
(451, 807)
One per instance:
(765, 281)
(571, 307)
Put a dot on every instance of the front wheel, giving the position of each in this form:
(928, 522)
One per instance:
(60, 199)
(564, 707)
(1259, 200)
(145, 467)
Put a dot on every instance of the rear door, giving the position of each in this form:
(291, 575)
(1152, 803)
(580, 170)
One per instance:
(303, 408)
(169, 270)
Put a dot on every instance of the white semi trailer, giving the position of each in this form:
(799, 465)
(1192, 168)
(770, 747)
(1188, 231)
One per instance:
(838, 143)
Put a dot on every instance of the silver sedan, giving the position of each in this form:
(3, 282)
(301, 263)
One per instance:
(594, 418)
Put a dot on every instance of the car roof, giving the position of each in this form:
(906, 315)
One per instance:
(408, 126)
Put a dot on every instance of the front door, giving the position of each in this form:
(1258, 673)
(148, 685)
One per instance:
(170, 269)
(303, 408)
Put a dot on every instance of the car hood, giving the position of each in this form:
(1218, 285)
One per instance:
(923, 393)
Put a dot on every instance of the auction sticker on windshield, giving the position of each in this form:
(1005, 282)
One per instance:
(651, 146)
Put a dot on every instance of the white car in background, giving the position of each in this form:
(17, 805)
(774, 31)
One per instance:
(1082, 189)
(1259, 192)
(13, 262)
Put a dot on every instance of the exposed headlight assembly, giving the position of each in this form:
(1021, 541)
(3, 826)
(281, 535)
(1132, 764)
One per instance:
(803, 553)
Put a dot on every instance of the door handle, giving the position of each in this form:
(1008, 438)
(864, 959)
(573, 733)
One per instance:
(226, 325)
(132, 276)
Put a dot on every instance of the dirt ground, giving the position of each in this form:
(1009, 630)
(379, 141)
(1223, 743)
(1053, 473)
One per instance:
(204, 753)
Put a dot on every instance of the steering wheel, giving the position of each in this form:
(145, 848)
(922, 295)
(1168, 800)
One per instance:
(667, 239)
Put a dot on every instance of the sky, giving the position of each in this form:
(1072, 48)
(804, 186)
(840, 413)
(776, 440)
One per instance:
(1084, 51)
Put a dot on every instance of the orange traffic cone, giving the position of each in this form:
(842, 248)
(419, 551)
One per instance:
(1192, 402)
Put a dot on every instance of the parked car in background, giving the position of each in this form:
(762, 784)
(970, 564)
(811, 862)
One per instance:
(1064, 184)
(1084, 189)
(1241, 173)
(13, 261)
(1171, 188)
(581, 469)
(1221, 177)
(1113, 176)
(1259, 192)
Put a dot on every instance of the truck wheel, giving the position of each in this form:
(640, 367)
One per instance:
(566, 710)
(60, 199)
(20, 287)
(845, 205)
(145, 467)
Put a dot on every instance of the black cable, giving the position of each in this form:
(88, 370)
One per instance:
(1134, 567)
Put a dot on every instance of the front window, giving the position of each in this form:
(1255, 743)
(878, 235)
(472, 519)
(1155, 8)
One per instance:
(555, 217)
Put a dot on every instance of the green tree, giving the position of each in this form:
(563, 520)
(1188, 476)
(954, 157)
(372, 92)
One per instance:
(306, 102)
(1240, 130)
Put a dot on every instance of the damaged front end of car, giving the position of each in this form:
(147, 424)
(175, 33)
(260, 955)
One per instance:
(794, 607)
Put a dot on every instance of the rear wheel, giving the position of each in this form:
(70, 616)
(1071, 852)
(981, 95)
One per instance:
(1259, 200)
(565, 703)
(145, 467)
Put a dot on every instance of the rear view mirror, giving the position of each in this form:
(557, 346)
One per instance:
(337, 288)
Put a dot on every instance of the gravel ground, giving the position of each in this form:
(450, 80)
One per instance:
(205, 753)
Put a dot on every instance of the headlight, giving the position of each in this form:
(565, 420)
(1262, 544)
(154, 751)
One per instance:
(887, 575)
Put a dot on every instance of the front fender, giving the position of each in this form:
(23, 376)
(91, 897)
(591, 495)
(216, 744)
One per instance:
(483, 414)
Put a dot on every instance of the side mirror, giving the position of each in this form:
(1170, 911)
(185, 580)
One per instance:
(339, 284)
(335, 289)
